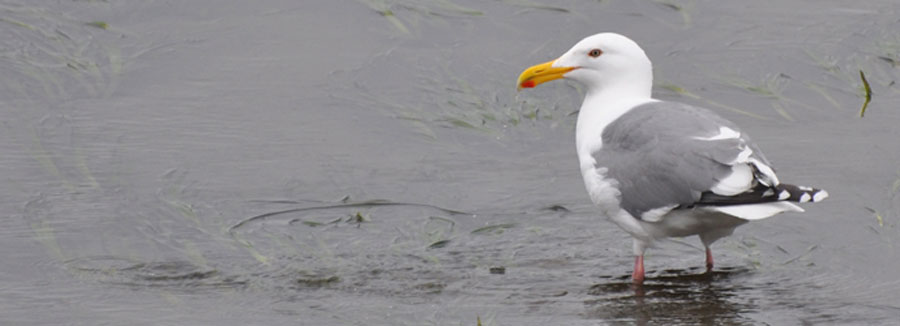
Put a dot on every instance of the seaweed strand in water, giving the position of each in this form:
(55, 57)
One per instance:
(868, 90)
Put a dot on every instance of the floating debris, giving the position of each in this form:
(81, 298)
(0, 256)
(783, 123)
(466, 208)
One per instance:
(439, 244)
(495, 227)
(358, 219)
(557, 208)
(868, 90)
(431, 287)
(98, 24)
(892, 61)
(535, 5)
(497, 270)
(312, 223)
(317, 282)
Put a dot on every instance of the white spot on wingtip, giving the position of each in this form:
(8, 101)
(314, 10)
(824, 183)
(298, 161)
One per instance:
(805, 197)
(805, 188)
(784, 194)
(819, 196)
(769, 192)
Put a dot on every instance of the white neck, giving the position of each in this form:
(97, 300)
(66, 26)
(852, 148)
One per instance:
(600, 108)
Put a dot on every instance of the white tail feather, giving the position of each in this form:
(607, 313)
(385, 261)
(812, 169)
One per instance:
(757, 211)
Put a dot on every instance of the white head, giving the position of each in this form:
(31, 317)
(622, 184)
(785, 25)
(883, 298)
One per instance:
(605, 62)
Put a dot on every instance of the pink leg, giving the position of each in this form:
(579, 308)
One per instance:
(709, 260)
(638, 275)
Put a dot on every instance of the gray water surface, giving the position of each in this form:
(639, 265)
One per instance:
(371, 163)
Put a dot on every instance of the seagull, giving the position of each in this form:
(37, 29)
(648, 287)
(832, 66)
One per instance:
(660, 169)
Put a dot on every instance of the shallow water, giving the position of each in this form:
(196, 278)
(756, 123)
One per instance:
(370, 162)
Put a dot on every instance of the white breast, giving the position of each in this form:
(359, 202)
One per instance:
(596, 113)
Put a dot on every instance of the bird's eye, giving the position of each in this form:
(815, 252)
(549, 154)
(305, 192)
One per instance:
(595, 53)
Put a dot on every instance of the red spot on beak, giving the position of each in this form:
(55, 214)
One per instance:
(528, 84)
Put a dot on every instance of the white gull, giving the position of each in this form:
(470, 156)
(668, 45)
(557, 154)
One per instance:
(662, 169)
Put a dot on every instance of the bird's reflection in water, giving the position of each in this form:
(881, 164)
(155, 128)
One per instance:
(672, 297)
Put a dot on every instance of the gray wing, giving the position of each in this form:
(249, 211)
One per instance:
(666, 155)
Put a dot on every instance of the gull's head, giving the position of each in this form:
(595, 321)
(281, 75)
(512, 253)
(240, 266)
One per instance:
(601, 62)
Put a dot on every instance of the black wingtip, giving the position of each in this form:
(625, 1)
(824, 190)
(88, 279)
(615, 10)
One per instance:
(765, 194)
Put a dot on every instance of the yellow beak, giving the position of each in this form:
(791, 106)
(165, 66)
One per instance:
(541, 73)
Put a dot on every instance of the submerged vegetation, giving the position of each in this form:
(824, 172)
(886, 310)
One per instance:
(454, 99)
(48, 60)
(405, 15)
(489, 104)
(415, 11)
